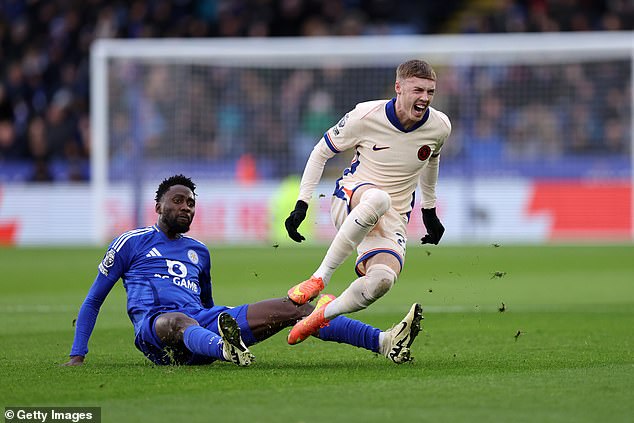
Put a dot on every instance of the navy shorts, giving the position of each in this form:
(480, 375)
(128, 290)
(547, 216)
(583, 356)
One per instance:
(157, 352)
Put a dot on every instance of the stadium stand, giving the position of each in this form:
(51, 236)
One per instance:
(44, 51)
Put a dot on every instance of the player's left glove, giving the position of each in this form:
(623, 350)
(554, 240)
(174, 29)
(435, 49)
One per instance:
(435, 229)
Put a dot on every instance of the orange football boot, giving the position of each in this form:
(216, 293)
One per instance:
(312, 323)
(306, 291)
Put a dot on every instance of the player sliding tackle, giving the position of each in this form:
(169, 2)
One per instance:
(168, 285)
(397, 146)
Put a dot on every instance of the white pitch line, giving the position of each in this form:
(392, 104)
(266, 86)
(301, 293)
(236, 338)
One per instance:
(37, 308)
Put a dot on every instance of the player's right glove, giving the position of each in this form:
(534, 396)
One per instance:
(295, 219)
(435, 229)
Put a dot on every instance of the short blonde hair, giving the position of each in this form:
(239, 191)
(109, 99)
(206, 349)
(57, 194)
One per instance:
(415, 69)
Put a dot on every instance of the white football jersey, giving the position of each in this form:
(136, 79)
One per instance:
(386, 154)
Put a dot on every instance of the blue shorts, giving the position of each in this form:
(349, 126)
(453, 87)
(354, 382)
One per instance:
(157, 352)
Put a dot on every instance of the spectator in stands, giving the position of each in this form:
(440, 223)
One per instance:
(39, 151)
(10, 148)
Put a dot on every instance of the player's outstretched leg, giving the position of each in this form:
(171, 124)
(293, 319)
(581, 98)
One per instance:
(396, 342)
(233, 348)
(374, 204)
(363, 291)
(312, 323)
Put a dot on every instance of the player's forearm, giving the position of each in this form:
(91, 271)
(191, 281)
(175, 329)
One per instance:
(205, 293)
(88, 314)
(427, 182)
(313, 171)
(84, 326)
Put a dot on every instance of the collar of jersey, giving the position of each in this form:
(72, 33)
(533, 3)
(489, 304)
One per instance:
(390, 111)
(156, 227)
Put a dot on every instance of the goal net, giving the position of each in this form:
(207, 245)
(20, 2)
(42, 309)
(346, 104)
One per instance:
(531, 113)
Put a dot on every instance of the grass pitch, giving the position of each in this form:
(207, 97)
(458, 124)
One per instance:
(522, 334)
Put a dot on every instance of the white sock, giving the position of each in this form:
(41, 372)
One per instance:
(363, 291)
(374, 203)
(383, 343)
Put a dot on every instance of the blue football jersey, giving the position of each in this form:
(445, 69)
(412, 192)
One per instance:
(159, 273)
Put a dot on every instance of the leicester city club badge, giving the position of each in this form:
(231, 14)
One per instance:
(193, 257)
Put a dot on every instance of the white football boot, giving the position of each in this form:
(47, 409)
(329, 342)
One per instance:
(397, 341)
(233, 348)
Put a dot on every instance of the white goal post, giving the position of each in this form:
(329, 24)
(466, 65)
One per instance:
(455, 55)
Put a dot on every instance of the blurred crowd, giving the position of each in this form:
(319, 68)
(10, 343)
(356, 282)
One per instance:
(503, 115)
(44, 80)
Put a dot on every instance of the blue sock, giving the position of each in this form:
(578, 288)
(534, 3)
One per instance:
(203, 341)
(348, 331)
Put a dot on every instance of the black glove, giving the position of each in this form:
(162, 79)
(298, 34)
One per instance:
(295, 219)
(435, 229)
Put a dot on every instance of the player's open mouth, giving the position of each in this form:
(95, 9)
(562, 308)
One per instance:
(419, 109)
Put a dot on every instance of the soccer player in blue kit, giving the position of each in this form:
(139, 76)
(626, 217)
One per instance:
(167, 277)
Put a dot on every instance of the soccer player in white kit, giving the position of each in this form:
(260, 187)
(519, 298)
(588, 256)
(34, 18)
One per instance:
(397, 145)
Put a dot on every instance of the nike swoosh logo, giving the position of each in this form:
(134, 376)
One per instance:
(376, 148)
(361, 224)
(398, 347)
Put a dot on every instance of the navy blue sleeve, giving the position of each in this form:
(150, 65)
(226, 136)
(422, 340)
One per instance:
(204, 279)
(88, 313)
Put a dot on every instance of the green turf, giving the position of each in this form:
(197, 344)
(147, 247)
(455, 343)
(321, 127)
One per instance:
(561, 351)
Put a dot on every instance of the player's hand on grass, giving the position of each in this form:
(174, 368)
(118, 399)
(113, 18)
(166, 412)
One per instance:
(435, 229)
(75, 360)
(293, 221)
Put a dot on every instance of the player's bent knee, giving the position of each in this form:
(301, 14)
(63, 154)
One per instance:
(378, 199)
(170, 327)
(379, 280)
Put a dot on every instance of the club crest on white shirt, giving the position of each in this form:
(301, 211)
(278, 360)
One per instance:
(424, 152)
